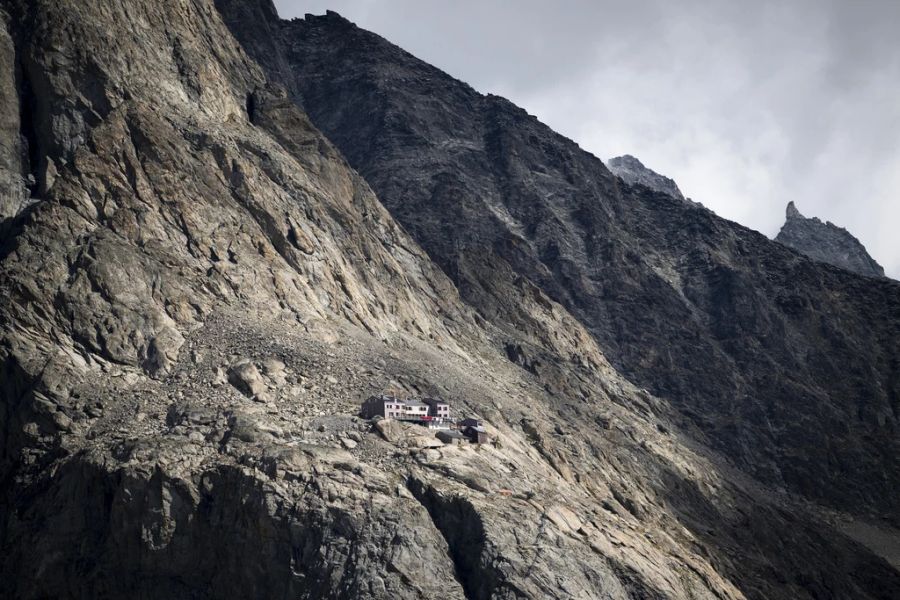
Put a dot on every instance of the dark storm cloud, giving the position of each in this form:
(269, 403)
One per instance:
(746, 104)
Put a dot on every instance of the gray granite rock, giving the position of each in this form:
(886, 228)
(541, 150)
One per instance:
(188, 217)
(722, 323)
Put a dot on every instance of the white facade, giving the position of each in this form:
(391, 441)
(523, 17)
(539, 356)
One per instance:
(394, 409)
(431, 412)
(415, 410)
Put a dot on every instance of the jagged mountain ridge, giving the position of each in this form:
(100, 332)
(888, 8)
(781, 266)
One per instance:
(789, 368)
(823, 242)
(187, 229)
(633, 172)
(826, 242)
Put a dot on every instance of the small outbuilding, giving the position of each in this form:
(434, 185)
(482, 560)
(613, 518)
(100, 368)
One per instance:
(477, 434)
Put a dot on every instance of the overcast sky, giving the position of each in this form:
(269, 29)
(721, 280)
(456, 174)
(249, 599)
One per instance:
(747, 105)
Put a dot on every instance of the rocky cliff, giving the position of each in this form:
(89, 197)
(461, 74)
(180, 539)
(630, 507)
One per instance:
(787, 367)
(633, 172)
(201, 290)
(827, 243)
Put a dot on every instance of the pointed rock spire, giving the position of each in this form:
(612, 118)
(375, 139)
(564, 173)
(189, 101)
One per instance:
(792, 212)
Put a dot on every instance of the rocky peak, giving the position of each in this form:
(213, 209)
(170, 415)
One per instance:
(633, 172)
(827, 243)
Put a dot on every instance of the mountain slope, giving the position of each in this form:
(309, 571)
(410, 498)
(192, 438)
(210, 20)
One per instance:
(200, 292)
(789, 368)
(826, 242)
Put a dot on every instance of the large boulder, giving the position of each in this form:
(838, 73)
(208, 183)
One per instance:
(389, 429)
(247, 379)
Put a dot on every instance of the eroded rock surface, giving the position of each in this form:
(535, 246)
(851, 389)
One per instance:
(786, 366)
(200, 292)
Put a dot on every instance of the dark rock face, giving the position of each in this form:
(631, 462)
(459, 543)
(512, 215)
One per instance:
(827, 243)
(789, 368)
(633, 172)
